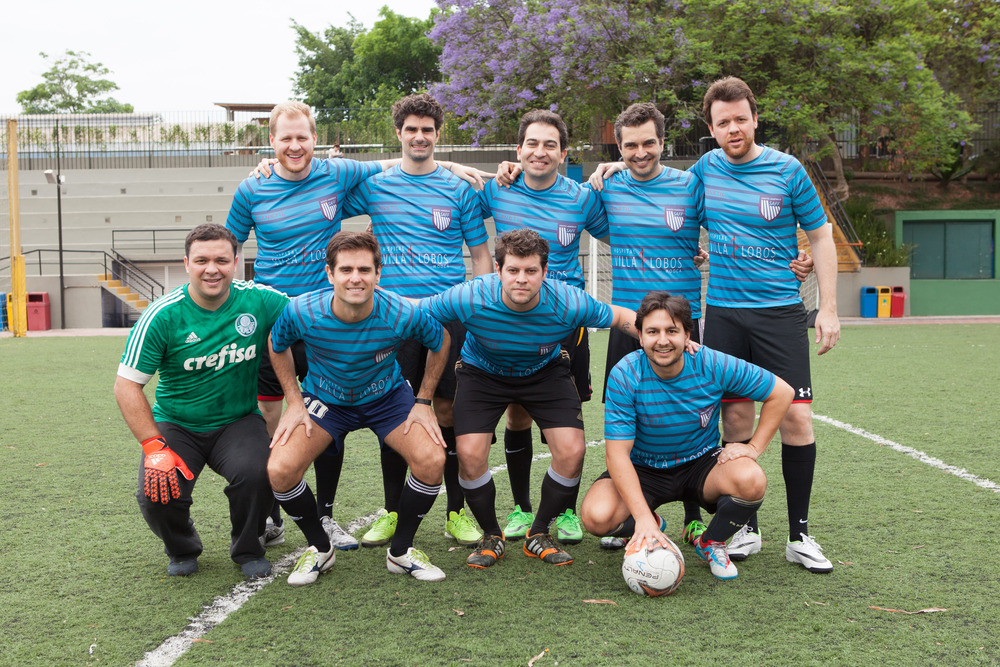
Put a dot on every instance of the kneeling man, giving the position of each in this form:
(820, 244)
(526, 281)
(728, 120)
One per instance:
(661, 423)
(351, 334)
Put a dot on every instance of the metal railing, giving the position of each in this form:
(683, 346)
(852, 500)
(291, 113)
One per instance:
(149, 240)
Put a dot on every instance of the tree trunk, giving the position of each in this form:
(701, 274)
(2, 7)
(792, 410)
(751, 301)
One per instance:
(841, 188)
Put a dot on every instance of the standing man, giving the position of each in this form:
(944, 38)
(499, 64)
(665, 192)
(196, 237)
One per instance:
(662, 432)
(205, 339)
(755, 198)
(351, 334)
(515, 321)
(421, 215)
(559, 209)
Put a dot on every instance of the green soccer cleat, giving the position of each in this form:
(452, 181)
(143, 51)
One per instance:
(462, 529)
(568, 530)
(381, 531)
(518, 523)
(693, 531)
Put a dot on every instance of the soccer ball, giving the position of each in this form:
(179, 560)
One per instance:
(653, 571)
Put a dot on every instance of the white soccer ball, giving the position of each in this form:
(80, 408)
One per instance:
(653, 571)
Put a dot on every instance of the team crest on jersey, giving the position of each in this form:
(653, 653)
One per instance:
(705, 415)
(566, 233)
(246, 324)
(329, 207)
(769, 207)
(674, 217)
(382, 355)
(442, 218)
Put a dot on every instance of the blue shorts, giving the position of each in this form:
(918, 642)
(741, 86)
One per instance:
(382, 416)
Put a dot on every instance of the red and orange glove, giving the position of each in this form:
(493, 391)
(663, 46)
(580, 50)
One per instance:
(160, 473)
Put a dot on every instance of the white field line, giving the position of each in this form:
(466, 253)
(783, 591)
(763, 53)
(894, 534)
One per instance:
(221, 607)
(915, 453)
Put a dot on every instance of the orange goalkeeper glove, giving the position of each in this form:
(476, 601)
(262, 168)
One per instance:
(160, 473)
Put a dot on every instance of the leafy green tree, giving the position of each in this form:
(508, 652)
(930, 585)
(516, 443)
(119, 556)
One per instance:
(322, 57)
(72, 84)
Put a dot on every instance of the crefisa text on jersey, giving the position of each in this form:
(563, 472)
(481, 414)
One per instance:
(230, 354)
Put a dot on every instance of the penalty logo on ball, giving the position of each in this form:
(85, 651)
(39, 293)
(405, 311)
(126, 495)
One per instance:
(653, 571)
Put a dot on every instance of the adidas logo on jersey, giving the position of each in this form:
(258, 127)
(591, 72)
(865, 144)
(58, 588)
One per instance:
(192, 338)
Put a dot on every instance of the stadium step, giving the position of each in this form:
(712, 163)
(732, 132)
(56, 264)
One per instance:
(123, 292)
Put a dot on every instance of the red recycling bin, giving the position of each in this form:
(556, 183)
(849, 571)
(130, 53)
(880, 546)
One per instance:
(39, 311)
(898, 301)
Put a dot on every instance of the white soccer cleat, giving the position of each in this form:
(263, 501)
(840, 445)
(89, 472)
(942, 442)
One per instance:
(612, 543)
(808, 554)
(415, 563)
(310, 565)
(744, 543)
(339, 538)
(714, 553)
(273, 534)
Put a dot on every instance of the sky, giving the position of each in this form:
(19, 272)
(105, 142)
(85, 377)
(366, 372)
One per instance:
(182, 55)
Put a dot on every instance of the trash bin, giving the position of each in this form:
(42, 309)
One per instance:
(8, 312)
(884, 300)
(3, 312)
(898, 301)
(869, 302)
(39, 313)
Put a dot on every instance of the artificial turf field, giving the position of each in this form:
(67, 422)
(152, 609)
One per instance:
(83, 581)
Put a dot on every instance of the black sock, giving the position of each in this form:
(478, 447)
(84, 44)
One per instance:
(730, 515)
(328, 467)
(797, 466)
(393, 477)
(692, 511)
(625, 529)
(453, 490)
(415, 502)
(276, 513)
(556, 497)
(517, 449)
(300, 506)
(482, 502)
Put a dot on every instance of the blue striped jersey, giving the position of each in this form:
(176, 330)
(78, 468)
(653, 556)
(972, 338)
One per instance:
(420, 223)
(353, 363)
(559, 214)
(655, 226)
(751, 211)
(207, 359)
(677, 420)
(504, 342)
(294, 220)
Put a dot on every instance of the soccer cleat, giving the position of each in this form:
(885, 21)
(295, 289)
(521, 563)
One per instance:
(693, 531)
(744, 543)
(568, 530)
(274, 534)
(518, 523)
(611, 543)
(490, 549)
(381, 531)
(415, 563)
(541, 546)
(256, 568)
(339, 538)
(310, 565)
(808, 554)
(182, 568)
(462, 529)
(714, 553)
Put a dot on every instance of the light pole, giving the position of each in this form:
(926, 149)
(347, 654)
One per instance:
(58, 179)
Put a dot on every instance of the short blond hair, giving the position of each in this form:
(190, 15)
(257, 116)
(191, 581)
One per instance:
(291, 108)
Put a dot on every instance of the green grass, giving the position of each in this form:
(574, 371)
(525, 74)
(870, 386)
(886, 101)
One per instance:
(80, 569)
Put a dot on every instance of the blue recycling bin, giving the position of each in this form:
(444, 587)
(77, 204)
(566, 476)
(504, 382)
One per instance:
(869, 302)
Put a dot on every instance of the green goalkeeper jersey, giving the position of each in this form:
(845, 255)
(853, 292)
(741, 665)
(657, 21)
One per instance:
(207, 360)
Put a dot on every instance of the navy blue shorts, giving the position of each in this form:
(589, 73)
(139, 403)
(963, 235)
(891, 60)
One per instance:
(382, 416)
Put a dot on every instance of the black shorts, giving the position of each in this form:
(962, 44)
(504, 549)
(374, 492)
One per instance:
(621, 344)
(268, 387)
(412, 360)
(549, 396)
(776, 339)
(577, 345)
(684, 482)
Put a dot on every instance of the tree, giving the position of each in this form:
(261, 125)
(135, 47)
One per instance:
(352, 68)
(73, 84)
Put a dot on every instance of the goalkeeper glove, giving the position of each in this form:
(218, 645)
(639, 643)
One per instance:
(160, 473)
